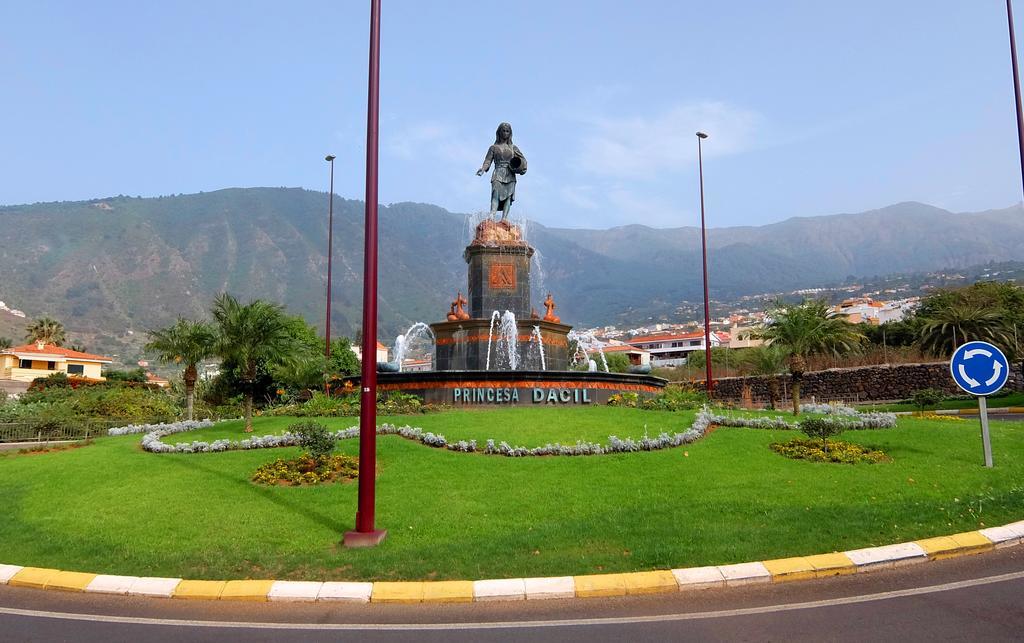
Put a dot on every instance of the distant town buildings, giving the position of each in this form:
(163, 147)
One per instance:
(865, 310)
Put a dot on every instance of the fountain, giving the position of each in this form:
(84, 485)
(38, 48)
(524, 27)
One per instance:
(483, 354)
(586, 344)
(418, 331)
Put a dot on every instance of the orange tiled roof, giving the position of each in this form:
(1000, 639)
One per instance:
(51, 349)
(620, 348)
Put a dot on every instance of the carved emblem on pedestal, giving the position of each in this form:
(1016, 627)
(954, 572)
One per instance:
(502, 276)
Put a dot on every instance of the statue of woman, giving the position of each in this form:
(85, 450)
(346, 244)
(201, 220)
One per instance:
(508, 161)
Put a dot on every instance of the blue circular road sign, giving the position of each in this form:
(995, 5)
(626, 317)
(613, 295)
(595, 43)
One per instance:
(979, 368)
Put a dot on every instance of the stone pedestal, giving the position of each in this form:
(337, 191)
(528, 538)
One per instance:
(499, 279)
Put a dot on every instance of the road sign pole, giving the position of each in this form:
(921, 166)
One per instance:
(985, 439)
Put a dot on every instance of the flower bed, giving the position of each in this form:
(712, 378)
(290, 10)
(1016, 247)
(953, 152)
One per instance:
(705, 418)
(167, 427)
(307, 470)
(841, 452)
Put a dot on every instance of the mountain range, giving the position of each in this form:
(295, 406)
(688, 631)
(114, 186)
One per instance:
(111, 268)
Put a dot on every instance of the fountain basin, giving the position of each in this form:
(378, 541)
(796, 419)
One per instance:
(463, 345)
(517, 388)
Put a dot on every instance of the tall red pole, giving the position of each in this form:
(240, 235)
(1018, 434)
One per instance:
(330, 255)
(365, 535)
(710, 386)
(1016, 88)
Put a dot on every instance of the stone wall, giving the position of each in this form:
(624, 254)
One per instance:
(864, 383)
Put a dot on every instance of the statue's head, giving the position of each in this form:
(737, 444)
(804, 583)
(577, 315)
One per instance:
(503, 133)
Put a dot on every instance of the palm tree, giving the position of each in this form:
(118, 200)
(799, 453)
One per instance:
(956, 322)
(805, 329)
(184, 342)
(250, 336)
(46, 330)
(767, 361)
(5, 342)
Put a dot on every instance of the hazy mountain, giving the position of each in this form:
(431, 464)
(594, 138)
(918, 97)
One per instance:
(109, 266)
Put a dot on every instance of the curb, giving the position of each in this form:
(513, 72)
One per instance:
(780, 570)
(999, 409)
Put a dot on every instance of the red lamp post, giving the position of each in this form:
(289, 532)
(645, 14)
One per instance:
(710, 386)
(365, 534)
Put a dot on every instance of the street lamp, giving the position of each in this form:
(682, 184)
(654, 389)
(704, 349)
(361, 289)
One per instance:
(710, 386)
(330, 255)
(1016, 87)
(365, 534)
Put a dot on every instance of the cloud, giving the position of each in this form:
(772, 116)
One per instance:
(580, 196)
(433, 140)
(639, 147)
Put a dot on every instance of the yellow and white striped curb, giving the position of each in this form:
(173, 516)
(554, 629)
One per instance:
(998, 409)
(779, 570)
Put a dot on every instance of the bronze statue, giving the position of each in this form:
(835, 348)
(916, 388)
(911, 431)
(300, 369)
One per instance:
(508, 161)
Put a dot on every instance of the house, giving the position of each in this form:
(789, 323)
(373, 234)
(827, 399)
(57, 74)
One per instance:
(672, 349)
(156, 380)
(744, 336)
(26, 363)
(382, 352)
(636, 356)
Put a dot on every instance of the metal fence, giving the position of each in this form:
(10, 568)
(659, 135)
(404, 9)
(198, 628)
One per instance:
(39, 430)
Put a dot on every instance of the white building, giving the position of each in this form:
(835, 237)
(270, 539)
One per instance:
(672, 349)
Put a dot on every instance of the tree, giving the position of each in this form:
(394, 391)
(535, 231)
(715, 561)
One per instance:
(5, 342)
(46, 330)
(951, 323)
(137, 375)
(617, 363)
(766, 360)
(253, 336)
(806, 329)
(185, 342)
(343, 358)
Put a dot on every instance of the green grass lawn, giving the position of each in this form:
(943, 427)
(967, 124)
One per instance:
(112, 508)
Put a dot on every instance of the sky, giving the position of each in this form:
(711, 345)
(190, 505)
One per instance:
(812, 107)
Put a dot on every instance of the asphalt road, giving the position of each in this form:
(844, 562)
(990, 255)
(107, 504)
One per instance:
(1010, 417)
(972, 598)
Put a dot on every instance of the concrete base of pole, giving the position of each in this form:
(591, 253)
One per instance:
(364, 538)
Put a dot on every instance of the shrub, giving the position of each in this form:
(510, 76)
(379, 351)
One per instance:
(321, 405)
(927, 398)
(617, 363)
(134, 375)
(397, 403)
(675, 399)
(628, 400)
(314, 438)
(54, 380)
(822, 428)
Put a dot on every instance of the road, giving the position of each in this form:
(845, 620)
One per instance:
(972, 598)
